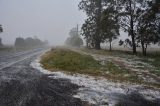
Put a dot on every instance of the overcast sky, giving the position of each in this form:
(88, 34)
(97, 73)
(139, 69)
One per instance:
(46, 19)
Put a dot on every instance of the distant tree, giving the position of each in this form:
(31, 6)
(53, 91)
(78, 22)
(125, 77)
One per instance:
(1, 42)
(29, 42)
(74, 39)
(46, 42)
(1, 29)
(20, 42)
(73, 32)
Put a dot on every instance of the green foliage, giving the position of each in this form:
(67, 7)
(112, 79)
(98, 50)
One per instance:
(148, 29)
(138, 18)
(88, 31)
(101, 24)
(126, 43)
(109, 25)
(128, 16)
(105, 17)
(93, 9)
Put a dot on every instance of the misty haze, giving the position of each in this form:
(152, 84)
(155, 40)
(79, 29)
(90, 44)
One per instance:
(80, 53)
(47, 19)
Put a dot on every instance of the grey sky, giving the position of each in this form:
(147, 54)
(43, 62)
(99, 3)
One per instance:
(46, 19)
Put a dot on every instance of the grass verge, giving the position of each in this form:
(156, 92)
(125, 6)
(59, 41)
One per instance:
(66, 60)
(73, 62)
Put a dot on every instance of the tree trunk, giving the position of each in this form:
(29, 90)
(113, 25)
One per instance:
(132, 31)
(134, 44)
(145, 52)
(87, 43)
(98, 30)
(144, 48)
(98, 45)
(110, 46)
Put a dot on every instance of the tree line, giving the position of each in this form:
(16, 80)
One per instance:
(29, 42)
(26, 42)
(1, 30)
(140, 19)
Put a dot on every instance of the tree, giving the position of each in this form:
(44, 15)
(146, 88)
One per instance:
(129, 14)
(148, 28)
(77, 41)
(74, 40)
(156, 6)
(156, 11)
(73, 32)
(1, 29)
(110, 26)
(1, 42)
(93, 9)
(110, 38)
(20, 42)
(88, 31)
(29, 42)
(92, 28)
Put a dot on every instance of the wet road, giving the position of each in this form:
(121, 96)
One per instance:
(22, 85)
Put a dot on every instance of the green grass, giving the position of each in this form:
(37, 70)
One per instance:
(66, 60)
(115, 70)
(73, 62)
(155, 63)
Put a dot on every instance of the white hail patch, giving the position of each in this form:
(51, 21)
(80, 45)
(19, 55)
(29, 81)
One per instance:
(99, 91)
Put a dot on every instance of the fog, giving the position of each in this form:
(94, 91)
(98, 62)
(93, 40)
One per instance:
(47, 19)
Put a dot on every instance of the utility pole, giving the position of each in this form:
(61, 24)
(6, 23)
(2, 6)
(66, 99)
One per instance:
(77, 30)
